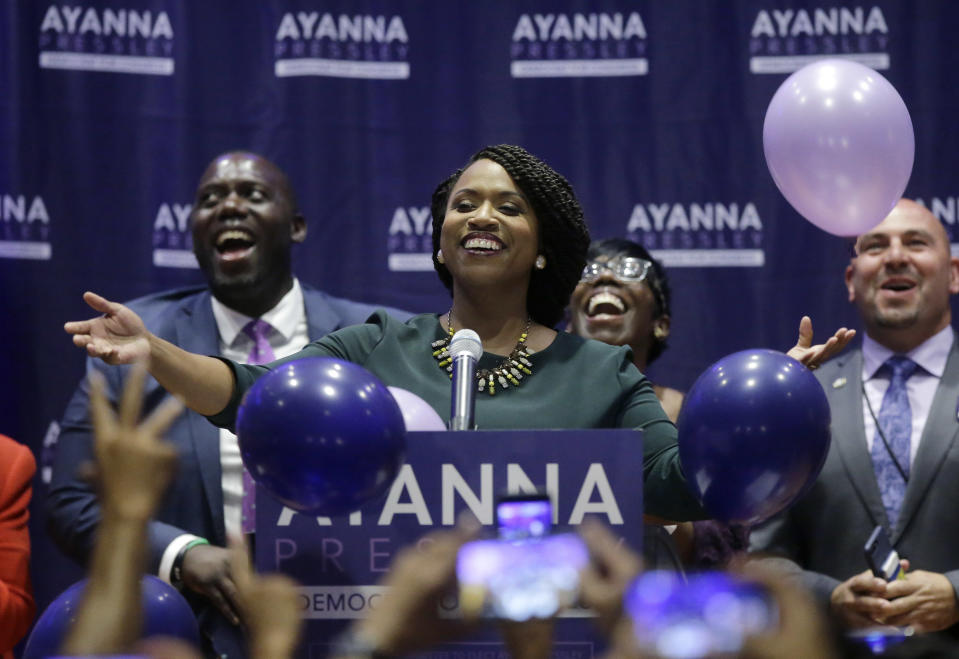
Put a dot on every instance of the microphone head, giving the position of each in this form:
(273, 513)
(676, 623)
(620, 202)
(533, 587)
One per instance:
(466, 341)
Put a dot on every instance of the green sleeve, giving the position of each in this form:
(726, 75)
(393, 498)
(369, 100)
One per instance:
(666, 493)
(352, 344)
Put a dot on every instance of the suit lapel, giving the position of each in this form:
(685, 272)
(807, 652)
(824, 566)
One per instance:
(937, 437)
(196, 332)
(321, 318)
(849, 435)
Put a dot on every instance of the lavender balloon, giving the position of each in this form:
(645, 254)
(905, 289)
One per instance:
(839, 145)
(417, 413)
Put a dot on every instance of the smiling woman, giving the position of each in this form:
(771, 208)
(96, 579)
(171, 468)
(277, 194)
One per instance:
(533, 193)
(623, 299)
(510, 244)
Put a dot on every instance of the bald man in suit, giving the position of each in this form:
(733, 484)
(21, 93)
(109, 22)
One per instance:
(894, 459)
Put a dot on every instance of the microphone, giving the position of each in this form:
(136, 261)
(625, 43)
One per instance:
(465, 349)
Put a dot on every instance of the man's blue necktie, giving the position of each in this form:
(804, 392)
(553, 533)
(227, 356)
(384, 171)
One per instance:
(895, 422)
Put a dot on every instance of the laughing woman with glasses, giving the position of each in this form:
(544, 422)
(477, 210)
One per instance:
(623, 299)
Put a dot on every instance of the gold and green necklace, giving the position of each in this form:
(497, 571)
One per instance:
(510, 371)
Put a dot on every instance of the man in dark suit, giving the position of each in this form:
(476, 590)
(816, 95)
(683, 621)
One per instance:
(894, 459)
(244, 222)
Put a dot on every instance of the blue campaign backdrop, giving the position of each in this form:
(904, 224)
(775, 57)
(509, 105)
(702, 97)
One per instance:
(110, 109)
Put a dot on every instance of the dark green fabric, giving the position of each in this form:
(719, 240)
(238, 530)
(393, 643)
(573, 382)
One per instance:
(576, 383)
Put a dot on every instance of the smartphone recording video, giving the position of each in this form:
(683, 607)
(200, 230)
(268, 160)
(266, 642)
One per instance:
(710, 615)
(523, 516)
(526, 572)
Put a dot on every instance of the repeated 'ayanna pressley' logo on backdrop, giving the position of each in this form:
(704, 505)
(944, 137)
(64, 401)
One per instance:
(785, 40)
(946, 210)
(699, 235)
(342, 46)
(78, 38)
(172, 237)
(410, 242)
(24, 227)
(579, 45)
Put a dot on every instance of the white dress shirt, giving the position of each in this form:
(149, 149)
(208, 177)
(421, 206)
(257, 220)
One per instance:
(289, 333)
(931, 356)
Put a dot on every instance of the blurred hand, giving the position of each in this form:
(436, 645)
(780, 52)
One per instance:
(208, 570)
(611, 569)
(407, 617)
(924, 600)
(812, 356)
(802, 631)
(530, 639)
(860, 601)
(135, 466)
(117, 337)
(159, 647)
(271, 607)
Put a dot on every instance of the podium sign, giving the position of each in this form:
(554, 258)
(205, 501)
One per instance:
(339, 561)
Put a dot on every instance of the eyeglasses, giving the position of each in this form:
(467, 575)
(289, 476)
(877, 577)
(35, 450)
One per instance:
(627, 268)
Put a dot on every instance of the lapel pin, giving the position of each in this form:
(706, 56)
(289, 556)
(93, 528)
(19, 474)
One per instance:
(838, 382)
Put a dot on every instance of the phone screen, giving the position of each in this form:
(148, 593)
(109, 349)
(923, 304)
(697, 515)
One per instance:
(520, 579)
(711, 614)
(524, 516)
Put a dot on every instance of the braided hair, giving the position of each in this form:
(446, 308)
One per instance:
(563, 235)
(656, 280)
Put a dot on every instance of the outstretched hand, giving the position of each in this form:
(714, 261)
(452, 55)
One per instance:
(812, 356)
(117, 337)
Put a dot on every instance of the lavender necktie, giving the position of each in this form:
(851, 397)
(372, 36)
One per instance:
(895, 422)
(261, 353)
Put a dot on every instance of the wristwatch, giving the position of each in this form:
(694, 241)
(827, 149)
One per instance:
(176, 571)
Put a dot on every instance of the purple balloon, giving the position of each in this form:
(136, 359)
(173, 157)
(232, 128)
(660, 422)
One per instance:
(839, 144)
(753, 435)
(165, 613)
(322, 435)
(417, 413)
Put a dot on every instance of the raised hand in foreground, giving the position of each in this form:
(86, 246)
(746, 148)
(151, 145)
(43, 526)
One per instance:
(270, 606)
(134, 469)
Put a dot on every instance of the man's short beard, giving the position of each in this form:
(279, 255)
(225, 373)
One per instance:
(896, 319)
(236, 282)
